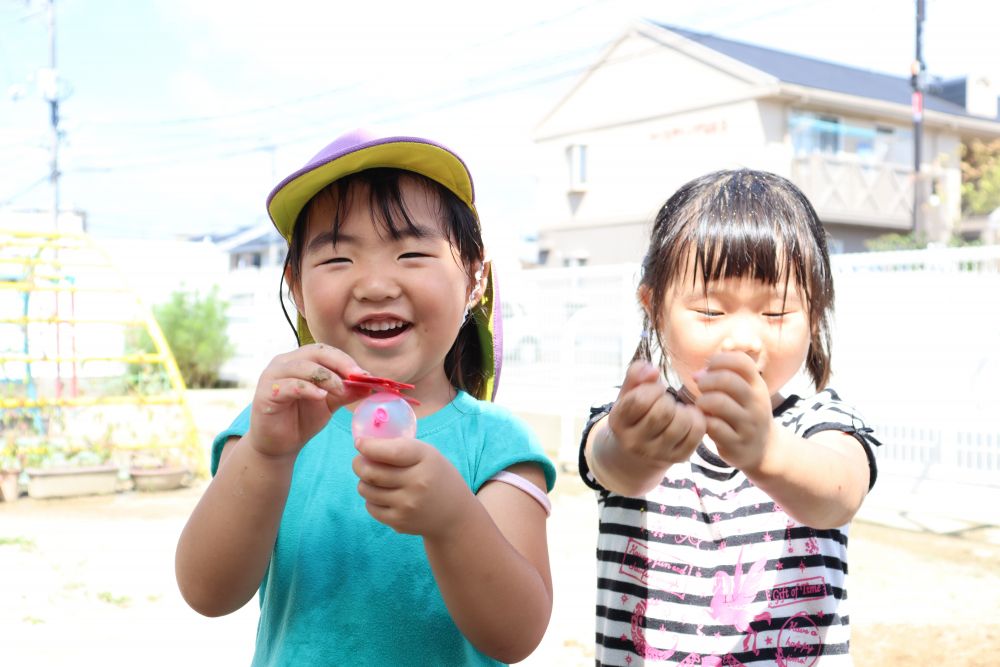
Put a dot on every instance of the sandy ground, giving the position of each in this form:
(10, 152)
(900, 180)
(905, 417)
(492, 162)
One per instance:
(90, 581)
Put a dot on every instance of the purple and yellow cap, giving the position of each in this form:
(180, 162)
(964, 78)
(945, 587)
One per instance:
(359, 150)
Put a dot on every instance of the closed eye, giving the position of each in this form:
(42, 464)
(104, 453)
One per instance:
(709, 313)
(413, 255)
(776, 315)
(336, 260)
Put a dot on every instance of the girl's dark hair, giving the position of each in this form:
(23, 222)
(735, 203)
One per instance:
(741, 224)
(464, 362)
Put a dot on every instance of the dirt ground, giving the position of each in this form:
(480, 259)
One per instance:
(90, 581)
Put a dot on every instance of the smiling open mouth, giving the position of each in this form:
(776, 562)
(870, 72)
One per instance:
(382, 328)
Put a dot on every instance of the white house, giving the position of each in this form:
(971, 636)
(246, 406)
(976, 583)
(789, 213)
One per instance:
(665, 105)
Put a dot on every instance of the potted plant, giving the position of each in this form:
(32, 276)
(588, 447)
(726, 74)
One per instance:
(158, 470)
(10, 471)
(59, 468)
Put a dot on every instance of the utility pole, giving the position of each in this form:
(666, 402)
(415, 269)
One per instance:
(51, 92)
(918, 81)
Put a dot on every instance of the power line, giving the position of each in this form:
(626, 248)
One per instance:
(334, 91)
(379, 115)
(20, 193)
(340, 90)
(229, 115)
(381, 112)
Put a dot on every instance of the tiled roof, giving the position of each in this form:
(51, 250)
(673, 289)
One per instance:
(805, 71)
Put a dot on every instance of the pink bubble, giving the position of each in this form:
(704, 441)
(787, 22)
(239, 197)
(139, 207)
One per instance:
(384, 415)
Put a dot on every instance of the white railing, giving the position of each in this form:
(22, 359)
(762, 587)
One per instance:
(982, 259)
(940, 453)
(916, 350)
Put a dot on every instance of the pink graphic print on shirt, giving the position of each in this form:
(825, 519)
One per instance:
(733, 596)
(639, 635)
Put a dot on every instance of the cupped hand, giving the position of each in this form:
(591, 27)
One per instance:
(410, 486)
(648, 422)
(296, 394)
(737, 407)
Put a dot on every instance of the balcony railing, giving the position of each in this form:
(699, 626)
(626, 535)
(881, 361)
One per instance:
(845, 189)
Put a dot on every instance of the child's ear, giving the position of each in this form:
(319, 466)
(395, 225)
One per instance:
(480, 274)
(645, 296)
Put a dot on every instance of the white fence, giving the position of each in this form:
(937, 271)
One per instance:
(916, 350)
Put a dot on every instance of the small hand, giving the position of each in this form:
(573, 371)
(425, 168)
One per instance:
(295, 396)
(737, 407)
(409, 486)
(650, 423)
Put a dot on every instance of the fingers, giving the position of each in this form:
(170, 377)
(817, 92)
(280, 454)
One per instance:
(720, 430)
(722, 389)
(639, 372)
(310, 372)
(654, 425)
(394, 452)
(684, 432)
(640, 391)
(374, 475)
(290, 389)
(739, 363)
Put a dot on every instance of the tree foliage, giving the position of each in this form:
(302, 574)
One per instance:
(980, 176)
(195, 327)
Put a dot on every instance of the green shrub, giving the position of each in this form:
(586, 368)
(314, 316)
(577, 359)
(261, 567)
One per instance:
(195, 327)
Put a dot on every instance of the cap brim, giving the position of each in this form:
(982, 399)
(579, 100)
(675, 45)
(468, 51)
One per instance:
(434, 161)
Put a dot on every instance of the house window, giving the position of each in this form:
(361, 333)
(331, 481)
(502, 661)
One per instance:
(828, 132)
(825, 133)
(815, 133)
(245, 260)
(576, 258)
(894, 144)
(576, 157)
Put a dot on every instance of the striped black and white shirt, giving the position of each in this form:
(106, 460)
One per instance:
(707, 570)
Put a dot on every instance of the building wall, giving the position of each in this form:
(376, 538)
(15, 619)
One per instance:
(632, 169)
(653, 115)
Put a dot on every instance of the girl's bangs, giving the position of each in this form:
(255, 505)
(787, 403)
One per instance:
(747, 248)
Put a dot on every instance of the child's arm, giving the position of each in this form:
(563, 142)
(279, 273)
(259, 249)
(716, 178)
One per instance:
(224, 550)
(646, 432)
(488, 551)
(820, 481)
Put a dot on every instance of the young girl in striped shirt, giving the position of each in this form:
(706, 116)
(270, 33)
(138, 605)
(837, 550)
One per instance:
(724, 505)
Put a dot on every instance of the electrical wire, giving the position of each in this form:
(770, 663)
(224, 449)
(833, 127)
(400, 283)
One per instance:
(17, 195)
(494, 84)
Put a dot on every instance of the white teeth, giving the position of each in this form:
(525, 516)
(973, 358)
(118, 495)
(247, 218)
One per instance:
(381, 325)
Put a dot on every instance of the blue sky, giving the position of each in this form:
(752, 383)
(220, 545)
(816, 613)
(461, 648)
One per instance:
(180, 115)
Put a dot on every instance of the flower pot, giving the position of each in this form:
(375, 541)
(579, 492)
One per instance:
(70, 481)
(10, 486)
(158, 479)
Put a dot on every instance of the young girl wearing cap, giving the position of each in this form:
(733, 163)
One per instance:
(426, 550)
(728, 549)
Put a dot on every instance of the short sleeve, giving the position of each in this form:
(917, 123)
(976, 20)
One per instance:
(827, 412)
(597, 413)
(237, 429)
(509, 441)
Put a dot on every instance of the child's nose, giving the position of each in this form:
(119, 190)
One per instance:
(743, 337)
(376, 286)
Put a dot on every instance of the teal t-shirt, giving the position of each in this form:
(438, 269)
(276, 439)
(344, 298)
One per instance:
(343, 588)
